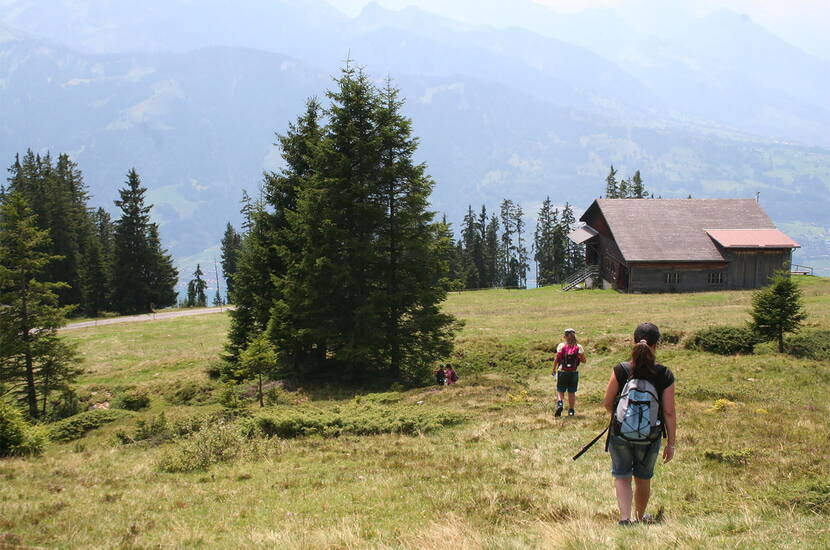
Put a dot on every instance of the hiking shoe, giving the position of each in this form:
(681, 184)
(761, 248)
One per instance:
(624, 523)
(571, 412)
(559, 407)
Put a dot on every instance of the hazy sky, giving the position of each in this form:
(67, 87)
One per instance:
(803, 23)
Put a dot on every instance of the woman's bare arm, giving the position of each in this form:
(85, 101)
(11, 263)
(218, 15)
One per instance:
(670, 417)
(611, 393)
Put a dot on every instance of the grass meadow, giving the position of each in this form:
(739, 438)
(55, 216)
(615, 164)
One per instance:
(751, 469)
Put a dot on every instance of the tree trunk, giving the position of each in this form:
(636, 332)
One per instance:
(31, 393)
(261, 402)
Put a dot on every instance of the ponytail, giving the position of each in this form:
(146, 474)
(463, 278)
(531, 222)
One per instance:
(642, 360)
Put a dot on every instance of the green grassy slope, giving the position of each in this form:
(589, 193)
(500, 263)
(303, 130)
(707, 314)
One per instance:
(502, 478)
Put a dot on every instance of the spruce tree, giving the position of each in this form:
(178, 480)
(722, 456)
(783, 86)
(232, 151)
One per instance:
(57, 195)
(230, 246)
(453, 256)
(99, 279)
(472, 249)
(543, 239)
(196, 287)
(143, 274)
(492, 253)
(777, 309)
(271, 245)
(623, 189)
(574, 253)
(161, 274)
(611, 189)
(32, 358)
(638, 190)
(508, 244)
(363, 256)
(521, 249)
(410, 248)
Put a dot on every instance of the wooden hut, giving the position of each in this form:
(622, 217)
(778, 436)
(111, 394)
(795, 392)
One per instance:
(679, 245)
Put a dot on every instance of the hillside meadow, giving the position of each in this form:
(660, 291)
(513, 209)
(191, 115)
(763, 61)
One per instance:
(479, 465)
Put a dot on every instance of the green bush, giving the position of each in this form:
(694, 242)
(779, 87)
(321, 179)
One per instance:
(231, 398)
(671, 336)
(220, 442)
(809, 345)
(357, 419)
(132, 400)
(190, 393)
(18, 437)
(65, 404)
(723, 340)
(77, 426)
(154, 431)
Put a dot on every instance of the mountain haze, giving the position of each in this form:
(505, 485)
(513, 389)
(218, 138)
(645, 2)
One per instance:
(191, 93)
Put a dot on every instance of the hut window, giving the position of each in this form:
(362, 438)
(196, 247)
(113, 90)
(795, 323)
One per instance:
(671, 278)
(715, 277)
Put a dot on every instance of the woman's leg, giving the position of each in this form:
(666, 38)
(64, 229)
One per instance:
(622, 485)
(571, 400)
(642, 491)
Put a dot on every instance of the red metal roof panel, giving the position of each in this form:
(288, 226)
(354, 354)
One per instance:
(752, 238)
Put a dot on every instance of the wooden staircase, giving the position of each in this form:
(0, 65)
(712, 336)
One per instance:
(579, 277)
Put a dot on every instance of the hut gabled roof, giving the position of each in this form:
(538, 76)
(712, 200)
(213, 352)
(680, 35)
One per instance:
(660, 230)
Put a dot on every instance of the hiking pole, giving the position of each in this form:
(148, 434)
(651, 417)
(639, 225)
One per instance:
(591, 444)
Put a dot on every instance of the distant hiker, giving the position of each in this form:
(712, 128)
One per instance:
(449, 374)
(440, 377)
(569, 355)
(640, 397)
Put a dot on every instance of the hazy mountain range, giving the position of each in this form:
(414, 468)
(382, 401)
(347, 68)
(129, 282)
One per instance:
(191, 93)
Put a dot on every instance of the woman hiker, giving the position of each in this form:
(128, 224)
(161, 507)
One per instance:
(569, 355)
(637, 459)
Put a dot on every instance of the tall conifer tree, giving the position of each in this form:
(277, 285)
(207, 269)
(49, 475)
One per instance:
(143, 273)
(230, 246)
(32, 358)
(611, 189)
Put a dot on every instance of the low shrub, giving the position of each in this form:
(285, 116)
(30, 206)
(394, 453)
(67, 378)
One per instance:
(809, 345)
(357, 419)
(63, 405)
(18, 437)
(132, 400)
(386, 398)
(733, 458)
(77, 426)
(723, 340)
(604, 345)
(474, 357)
(231, 398)
(671, 336)
(220, 442)
(190, 393)
(721, 405)
(810, 495)
(154, 431)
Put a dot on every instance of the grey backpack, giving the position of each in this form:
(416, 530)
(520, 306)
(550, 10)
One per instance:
(637, 418)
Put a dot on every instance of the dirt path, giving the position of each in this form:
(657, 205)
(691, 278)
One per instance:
(146, 317)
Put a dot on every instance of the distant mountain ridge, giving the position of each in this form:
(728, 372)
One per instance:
(500, 113)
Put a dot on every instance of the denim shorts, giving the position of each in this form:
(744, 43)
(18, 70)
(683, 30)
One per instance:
(628, 459)
(567, 381)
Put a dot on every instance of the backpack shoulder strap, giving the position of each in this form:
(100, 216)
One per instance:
(623, 372)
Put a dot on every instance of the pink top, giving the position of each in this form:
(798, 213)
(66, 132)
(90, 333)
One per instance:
(566, 350)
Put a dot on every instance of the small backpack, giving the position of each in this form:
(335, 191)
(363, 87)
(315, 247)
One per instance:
(570, 361)
(637, 417)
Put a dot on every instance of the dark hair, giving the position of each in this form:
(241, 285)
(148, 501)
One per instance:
(642, 356)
